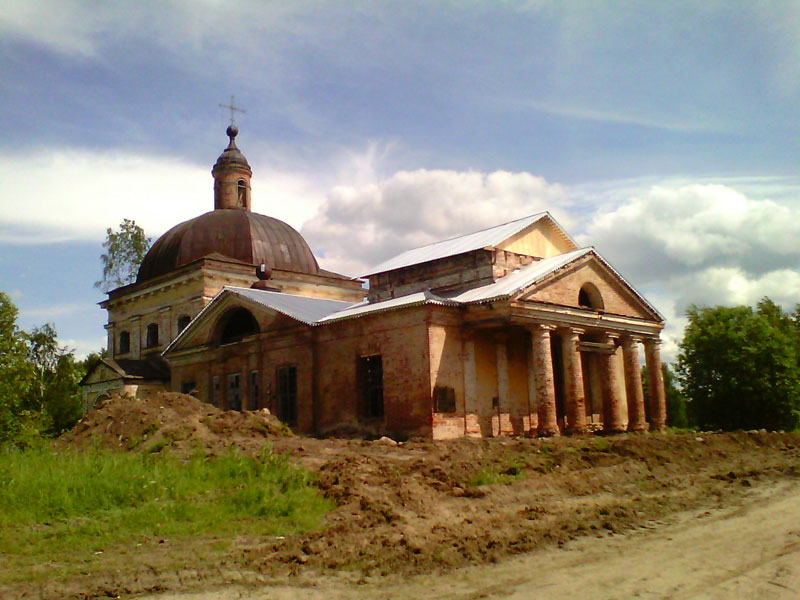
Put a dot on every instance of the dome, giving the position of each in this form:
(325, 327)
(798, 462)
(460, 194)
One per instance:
(238, 234)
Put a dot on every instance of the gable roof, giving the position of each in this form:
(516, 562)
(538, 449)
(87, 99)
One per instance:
(485, 238)
(317, 311)
(302, 308)
(526, 276)
(150, 368)
(515, 282)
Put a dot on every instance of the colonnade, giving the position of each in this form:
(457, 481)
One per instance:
(623, 402)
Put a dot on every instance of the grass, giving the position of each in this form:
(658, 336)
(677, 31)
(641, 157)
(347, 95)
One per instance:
(505, 474)
(53, 503)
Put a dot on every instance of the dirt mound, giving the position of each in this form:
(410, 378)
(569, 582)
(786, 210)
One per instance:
(427, 505)
(177, 422)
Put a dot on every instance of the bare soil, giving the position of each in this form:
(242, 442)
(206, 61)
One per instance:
(419, 509)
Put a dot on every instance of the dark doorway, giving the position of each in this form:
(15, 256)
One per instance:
(371, 384)
(287, 395)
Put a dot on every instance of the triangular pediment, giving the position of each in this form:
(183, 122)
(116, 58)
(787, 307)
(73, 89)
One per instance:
(101, 372)
(271, 310)
(604, 290)
(544, 238)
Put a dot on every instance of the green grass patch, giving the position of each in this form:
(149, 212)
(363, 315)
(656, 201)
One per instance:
(62, 501)
(504, 475)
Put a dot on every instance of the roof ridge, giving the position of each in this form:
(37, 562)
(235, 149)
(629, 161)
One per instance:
(455, 237)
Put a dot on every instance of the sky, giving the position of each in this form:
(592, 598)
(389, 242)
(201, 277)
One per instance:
(664, 134)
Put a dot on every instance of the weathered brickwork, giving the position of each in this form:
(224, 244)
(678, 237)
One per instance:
(565, 289)
(517, 331)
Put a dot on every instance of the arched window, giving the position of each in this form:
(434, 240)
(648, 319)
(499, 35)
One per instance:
(242, 192)
(124, 343)
(183, 321)
(239, 323)
(152, 335)
(589, 297)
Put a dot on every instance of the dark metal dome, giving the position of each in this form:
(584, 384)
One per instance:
(238, 234)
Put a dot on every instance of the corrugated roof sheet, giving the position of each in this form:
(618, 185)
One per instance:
(316, 311)
(457, 245)
(519, 279)
(363, 308)
(305, 309)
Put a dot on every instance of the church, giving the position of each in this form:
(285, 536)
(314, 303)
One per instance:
(511, 330)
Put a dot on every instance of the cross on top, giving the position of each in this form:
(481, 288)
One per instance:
(232, 108)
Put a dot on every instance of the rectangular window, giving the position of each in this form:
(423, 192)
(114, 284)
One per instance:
(215, 391)
(287, 395)
(187, 387)
(371, 385)
(444, 399)
(254, 391)
(234, 398)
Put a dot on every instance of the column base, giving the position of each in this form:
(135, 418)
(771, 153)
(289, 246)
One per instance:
(577, 430)
(548, 432)
(633, 427)
(614, 429)
(658, 426)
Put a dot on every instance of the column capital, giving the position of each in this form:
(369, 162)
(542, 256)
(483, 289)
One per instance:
(541, 327)
(572, 330)
(653, 341)
(631, 338)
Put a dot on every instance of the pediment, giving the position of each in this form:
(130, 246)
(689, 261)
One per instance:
(100, 373)
(604, 290)
(544, 238)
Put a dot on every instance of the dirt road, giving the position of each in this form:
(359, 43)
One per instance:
(750, 550)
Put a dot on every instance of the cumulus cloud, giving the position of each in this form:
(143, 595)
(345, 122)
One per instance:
(54, 196)
(359, 226)
(704, 244)
(671, 231)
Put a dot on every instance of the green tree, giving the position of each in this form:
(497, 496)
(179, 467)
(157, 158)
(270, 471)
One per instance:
(739, 367)
(54, 394)
(15, 371)
(125, 250)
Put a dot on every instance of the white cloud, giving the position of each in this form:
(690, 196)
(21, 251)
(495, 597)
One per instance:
(84, 346)
(50, 313)
(53, 196)
(692, 227)
(358, 226)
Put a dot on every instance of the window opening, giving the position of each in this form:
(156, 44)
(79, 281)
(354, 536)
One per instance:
(287, 395)
(234, 399)
(589, 297)
(254, 390)
(183, 321)
(124, 342)
(240, 323)
(242, 193)
(444, 399)
(371, 384)
(152, 335)
(189, 387)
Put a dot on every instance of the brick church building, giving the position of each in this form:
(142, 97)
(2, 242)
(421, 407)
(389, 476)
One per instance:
(512, 330)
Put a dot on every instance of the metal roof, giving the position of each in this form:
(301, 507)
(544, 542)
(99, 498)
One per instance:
(305, 309)
(363, 308)
(485, 238)
(520, 279)
(316, 311)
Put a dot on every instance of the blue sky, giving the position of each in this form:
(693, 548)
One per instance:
(665, 134)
